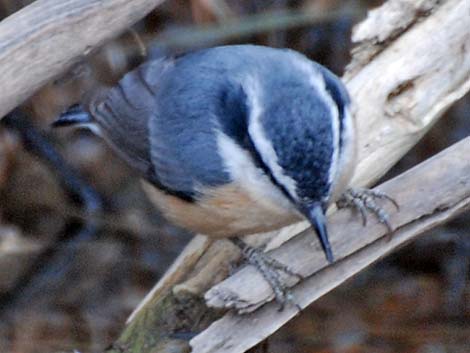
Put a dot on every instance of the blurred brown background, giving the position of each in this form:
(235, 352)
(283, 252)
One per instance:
(69, 283)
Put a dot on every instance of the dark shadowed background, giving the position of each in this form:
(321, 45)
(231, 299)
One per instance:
(69, 280)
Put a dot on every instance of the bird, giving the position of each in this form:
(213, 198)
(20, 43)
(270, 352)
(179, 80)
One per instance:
(231, 140)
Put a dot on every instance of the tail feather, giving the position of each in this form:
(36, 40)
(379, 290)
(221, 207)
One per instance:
(74, 116)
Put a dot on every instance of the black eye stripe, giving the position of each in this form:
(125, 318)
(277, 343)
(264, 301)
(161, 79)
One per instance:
(250, 147)
(234, 102)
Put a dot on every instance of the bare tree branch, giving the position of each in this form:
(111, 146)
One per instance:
(45, 38)
(417, 65)
(444, 194)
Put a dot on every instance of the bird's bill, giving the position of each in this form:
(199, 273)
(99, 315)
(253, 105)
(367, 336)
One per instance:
(316, 216)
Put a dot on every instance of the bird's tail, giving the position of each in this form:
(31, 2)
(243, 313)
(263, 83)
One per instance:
(74, 116)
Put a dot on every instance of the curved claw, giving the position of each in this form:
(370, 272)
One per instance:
(363, 201)
(383, 218)
(392, 200)
(269, 269)
(360, 206)
(384, 196)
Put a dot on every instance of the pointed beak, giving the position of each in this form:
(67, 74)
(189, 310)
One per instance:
(74, 116)
(316, 216)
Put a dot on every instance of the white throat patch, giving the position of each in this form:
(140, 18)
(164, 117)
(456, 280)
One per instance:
(243, 171)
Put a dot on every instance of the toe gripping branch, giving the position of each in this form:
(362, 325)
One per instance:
(364, 201)
(270, 269)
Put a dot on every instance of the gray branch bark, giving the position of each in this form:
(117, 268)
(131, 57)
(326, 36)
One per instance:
(445, 194)
(44, 39)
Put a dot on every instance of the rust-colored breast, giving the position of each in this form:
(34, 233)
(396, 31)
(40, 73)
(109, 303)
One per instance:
(223, 212)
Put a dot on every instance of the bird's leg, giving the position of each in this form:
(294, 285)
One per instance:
(364, 200)
(269, 269)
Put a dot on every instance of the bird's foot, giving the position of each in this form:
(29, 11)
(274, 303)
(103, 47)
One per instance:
(270, 269)
(364, 201)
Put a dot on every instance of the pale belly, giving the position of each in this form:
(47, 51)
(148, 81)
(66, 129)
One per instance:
(227, 212)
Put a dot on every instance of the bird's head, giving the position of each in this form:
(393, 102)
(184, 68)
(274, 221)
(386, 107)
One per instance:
(297, 123)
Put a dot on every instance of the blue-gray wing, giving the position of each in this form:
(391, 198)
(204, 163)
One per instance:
(123, 114)
(183, 129)
(154, 119)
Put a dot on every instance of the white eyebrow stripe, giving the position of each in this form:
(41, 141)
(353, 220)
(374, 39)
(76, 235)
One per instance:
(346, 136)
(335, 130)
(318, 83)
(262, 144)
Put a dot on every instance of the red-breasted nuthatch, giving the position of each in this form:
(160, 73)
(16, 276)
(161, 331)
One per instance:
(232, 140)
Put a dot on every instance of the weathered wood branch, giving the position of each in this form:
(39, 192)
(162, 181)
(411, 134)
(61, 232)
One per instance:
(412, 61)
(400, 97)
(447, 185)
(424, 205)
(45, 38)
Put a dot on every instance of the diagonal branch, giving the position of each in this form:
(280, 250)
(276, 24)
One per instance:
(444, 194)
(447, 185)
(44, 39)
